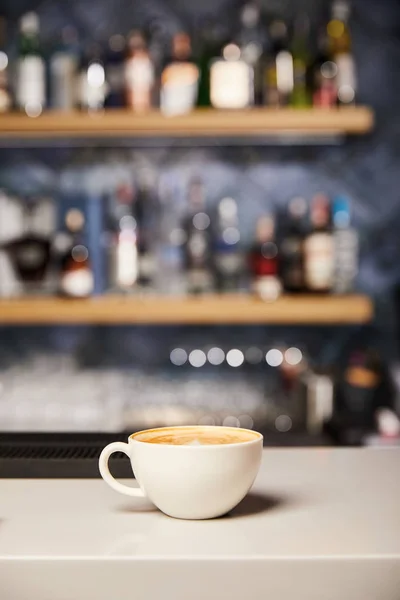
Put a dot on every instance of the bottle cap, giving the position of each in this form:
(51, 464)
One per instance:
(250, 15)
(265, 228)
(181, 46)
(341, 212)
(75, 220)
(29, 23)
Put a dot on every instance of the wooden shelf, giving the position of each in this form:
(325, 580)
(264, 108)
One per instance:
(256, 122)
(235, 309)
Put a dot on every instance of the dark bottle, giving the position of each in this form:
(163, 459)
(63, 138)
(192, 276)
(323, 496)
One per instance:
(363, 388)
(92, 80)
(263, 259)
(300, 47)
(180, 78)
(251, 42)
(5, 95)
(340, 50)
(76, 274)
(198, 245)
(139, 73)
(211, 43)
(291, 250)
(30, 254)
(228, 259)
(63, 70)
(319, 248)
(324, 71)
(31, 77)
(278, 68)
(115, 71)
(145, 206)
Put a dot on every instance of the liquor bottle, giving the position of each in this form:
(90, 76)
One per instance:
(291, 250)
(300, 96)
(251, 42)
(228, 259)
(340, 50)
(211, 44)
(5, 96)
(63, 69)
(198, 245)
(346, 247)
(76, 274)
(264, 266)
(92, 81)
(30, 253)
(319, 248)
(231, 80)
(11, 227)
(358, 396)
(324, 71)
(180, 78)
(145, 206)
(278, 70)
(115, 71)
(139, 74)
(31, 79)
(123, 248)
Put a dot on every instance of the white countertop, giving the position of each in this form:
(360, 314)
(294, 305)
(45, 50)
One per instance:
(318, 524)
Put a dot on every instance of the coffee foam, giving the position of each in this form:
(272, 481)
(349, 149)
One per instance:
(196, 436)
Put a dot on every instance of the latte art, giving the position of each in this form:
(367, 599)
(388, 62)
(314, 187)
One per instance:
(196, 436)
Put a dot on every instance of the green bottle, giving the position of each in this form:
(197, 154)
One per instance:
(31, 83)
(210, 48)
(301, 95)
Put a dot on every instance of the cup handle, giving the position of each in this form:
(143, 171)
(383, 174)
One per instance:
(108, 478)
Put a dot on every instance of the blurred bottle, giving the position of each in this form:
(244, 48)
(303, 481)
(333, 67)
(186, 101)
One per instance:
(231, 80)
(358, 396)
(264, 267)
(300, 47)
(76, 276)
(144, 208)
(324, 71)
(5, 96)
(278, 73)
(291, 251)
(346, 247)
(340, 50)
(319, 248)
(11, 227)
(31, 78)
(251, 42)
(180, 78)
(63, 69)
(139, 74)
(30, 254)
(228, 259)
(211, 43)
(92, 83)
(123, 248)
(198, 245)
(115, 71)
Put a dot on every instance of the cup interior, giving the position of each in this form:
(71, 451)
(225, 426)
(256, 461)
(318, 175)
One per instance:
(196, 436)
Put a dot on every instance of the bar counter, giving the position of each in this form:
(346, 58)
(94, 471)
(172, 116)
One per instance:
(319, 524)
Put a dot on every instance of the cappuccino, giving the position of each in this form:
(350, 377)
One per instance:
(196, 436)
(190, 472)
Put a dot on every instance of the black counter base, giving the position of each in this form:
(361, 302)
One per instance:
(75, 455)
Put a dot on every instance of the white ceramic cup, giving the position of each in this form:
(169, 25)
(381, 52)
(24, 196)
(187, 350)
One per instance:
(194, 481)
